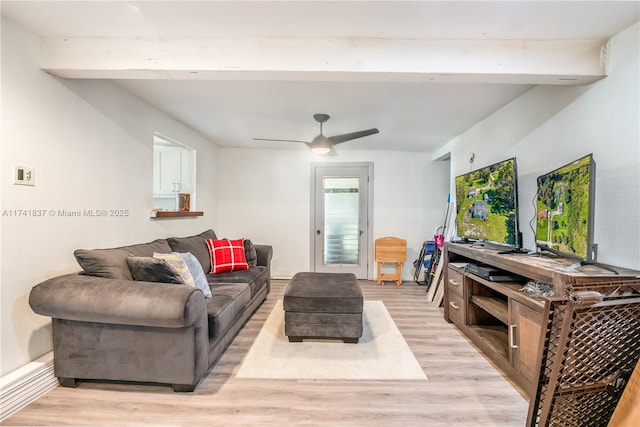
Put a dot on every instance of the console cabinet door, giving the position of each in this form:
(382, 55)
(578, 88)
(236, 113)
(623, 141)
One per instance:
(525, 327)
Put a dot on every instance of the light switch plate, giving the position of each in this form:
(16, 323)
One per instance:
(24, 175)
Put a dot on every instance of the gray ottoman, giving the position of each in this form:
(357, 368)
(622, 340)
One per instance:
(323, 305)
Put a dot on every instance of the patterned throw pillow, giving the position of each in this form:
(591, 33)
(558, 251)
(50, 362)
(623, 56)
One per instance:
(227, 255)
(179, 266)
(197, 272)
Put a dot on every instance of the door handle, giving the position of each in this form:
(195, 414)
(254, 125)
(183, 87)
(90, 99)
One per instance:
(318, 232)
(512, 337)
(361, 231)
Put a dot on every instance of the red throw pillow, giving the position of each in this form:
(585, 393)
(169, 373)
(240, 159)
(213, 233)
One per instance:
(227, 255)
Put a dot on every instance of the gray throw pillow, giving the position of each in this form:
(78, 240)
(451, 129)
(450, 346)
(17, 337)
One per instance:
(197, 272)
(250, 253)
(149, 269)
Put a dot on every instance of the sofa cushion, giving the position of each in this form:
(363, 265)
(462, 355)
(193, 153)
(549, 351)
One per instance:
(112, 263)
(179, 266)
(228, 302)
(227, 255)
(199, 278)
(149, 269)
(256, 277)
(196, 245)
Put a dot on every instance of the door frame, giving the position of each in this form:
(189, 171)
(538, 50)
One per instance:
(312, 228)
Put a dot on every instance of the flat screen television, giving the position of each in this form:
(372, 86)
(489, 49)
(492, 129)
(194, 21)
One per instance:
(564, 210)
(487, 204)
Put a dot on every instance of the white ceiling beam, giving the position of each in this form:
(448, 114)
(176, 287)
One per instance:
(340, 59)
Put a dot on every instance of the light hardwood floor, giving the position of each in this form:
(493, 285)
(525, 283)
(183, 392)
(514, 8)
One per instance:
(464, 389)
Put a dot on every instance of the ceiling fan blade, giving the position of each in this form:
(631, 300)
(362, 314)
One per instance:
(278, 140)
(337, 139)
(332, 153)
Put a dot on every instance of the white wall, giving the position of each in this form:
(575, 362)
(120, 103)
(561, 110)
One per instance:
(548, 127)
(264, 195)
(91, 146)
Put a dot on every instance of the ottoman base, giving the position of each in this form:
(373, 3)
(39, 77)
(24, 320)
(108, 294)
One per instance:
(343, 326)
(344, 340)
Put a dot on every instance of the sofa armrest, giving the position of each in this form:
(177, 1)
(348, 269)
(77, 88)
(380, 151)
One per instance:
(265, 253)
(95, 299)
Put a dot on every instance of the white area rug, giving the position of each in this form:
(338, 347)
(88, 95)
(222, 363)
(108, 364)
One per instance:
(381, 354)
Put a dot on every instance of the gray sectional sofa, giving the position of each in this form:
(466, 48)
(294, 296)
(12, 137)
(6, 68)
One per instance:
(106, 326)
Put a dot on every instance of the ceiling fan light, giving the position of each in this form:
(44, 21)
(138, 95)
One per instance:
(320, 150)
(320, 145)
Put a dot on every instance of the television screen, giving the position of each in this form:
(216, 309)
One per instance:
(486, 203)
(564, 210)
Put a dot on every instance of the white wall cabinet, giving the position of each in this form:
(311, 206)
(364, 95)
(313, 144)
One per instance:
(171, 170)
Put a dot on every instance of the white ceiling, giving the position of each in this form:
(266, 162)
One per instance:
(412, 114)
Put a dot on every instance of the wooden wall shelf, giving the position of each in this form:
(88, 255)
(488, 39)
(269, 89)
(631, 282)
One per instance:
(176, 214)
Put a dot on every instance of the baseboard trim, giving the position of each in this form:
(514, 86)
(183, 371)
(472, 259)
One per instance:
(26, 384)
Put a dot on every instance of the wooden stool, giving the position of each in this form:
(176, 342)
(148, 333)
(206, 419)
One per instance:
(391, 250)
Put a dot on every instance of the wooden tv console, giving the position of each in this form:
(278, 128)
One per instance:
(504, 322)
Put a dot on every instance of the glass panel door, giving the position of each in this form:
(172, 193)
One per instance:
(340, 220)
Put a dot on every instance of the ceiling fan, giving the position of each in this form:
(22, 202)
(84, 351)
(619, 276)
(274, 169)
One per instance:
(322, 144)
